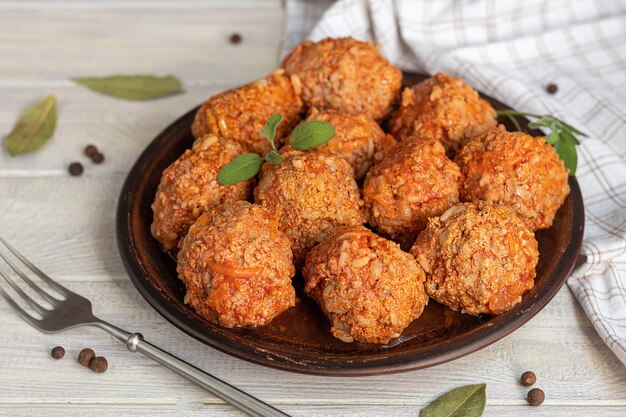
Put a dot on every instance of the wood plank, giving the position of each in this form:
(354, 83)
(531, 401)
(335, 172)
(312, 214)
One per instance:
(573, 366)
(192, 43)
(121, 129)
(115, 410)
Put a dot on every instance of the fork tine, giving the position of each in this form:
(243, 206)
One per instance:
(34, 304)
(60, 288)
(52, 300)
(20, 311)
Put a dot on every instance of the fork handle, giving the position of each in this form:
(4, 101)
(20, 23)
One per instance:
(234, 396)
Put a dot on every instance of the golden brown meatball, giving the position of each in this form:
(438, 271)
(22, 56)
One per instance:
(517, 170)
(237, 266)
(240, 114)
(189, 187)
(369, 289)
(311, 194)
(358, 139)
(478, 258)
(442, 108)
(414, 182)
(345, 75)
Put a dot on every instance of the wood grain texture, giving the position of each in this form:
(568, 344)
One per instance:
(66, 225)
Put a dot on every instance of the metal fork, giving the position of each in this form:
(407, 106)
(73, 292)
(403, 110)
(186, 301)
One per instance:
(75, 310)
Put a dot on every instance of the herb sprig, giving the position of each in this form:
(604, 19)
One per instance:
(305, 136)
(561, 136)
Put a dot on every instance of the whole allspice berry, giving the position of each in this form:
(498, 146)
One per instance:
(85, 356)
(98, 157)
(528, 378)
(535, 397)
(552, 88)
(99, 364)
(57, 352)
(91, 150)
(235, 38)
(75, 169)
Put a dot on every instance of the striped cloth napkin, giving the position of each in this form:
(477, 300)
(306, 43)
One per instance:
(511, 50)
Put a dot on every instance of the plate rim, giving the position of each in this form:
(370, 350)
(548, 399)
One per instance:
(451, 349)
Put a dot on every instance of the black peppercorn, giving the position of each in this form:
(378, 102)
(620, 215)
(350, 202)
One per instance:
(57, 352)
(85, 356)
(90, 150)
(97, 158)
(99, 364)
(75, 169)
(528, 378)
(535, 397)
(552, 88)
(235, 38)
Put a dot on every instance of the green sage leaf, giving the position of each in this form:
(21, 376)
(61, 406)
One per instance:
(574, 130)
(311, 134)
(569, 137)
(465, 401)
(240, 169)
(33, 128)
(567, 153)
(133, 87)
(553, 137)
(274, 158)
(269, 130)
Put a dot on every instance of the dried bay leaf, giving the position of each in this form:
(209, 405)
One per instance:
(33, 128)
(465, 401)
(133, 87)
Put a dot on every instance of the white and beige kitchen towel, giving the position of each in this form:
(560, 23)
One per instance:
(511, 50)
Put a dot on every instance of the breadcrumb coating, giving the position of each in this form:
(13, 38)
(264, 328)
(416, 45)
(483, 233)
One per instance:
(189, 188)
(517, 170)
(358, 139)
(237, 266)
(240, 114)
(367, 286)
(414, 182)
(345, 75)
(311, 194)
(478, 258)
(442, 108)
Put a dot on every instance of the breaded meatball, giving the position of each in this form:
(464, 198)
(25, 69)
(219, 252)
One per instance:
(358, 139)
(237, 266)
(442, 108)
(369, 289)
(478, 258)
(189, 187)
(240, 114)
(345, 75)
(311, 194)
(517, 170)
(414, 182)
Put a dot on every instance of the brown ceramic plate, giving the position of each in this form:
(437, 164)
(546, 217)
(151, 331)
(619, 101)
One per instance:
(299, 339)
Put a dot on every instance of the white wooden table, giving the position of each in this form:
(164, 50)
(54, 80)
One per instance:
(66, 225)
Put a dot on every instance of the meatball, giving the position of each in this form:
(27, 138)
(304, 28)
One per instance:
(517, 170)
(414, 182)
(369, 289)
(442, 108)
(358, 139)
(189, 187)
(345, 75)
(237, 266)
(479, 258)
(240, 114)
(311, 194)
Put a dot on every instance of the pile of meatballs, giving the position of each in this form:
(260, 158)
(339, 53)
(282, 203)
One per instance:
(442, 204)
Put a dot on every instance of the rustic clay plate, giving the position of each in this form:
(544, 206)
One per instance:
(299, 339)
